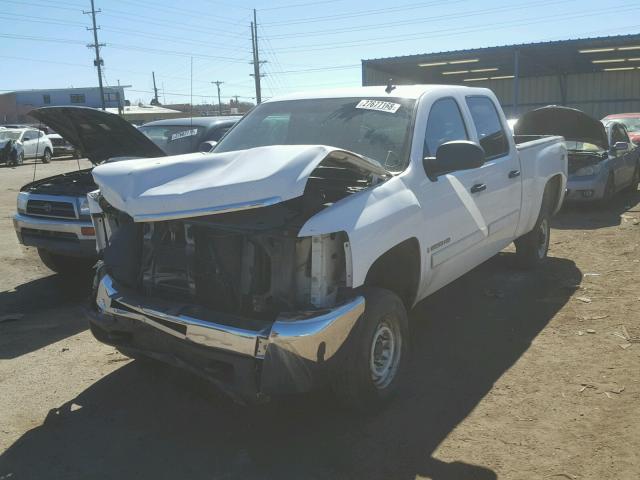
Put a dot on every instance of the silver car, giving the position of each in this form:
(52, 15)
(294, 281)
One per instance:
(602, 160)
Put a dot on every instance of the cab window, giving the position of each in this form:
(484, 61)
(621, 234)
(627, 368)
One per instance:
(444, 124)
(491, 134)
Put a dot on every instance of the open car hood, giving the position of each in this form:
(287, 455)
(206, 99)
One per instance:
(199, 184)
(98, 135)
(572, 124)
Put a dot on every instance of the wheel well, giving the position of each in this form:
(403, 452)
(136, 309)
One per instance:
(398, 270)
(552, 193)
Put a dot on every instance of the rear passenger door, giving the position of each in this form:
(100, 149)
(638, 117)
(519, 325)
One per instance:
(499, 184)
(29, 143)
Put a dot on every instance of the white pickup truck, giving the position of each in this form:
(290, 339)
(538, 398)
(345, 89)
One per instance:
(287, 259)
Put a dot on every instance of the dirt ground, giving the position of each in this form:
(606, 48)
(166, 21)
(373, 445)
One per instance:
(514, 375)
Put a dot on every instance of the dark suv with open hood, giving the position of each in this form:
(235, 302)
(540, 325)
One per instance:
(53, 214)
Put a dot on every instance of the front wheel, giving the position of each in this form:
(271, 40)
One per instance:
(46, 158)
(532, 248)
(65, 265)
(377, 353)
(633, 186)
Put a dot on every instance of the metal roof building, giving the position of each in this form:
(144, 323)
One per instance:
(597, 75)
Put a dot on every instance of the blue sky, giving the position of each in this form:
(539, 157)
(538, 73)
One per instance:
(307, 44)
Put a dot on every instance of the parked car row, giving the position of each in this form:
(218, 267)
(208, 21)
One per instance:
(282, 256)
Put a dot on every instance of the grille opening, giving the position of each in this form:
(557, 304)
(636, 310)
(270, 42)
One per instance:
(50, 208)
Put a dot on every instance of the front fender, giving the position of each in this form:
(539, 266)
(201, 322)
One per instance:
(375, 220)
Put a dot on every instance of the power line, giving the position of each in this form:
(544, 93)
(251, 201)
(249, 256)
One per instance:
(385, 25)
(182, 11)
(362, 13)
(443, 32)
(294, 5)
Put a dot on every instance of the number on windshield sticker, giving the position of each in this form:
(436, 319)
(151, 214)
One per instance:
(185, 133)
(378, 105)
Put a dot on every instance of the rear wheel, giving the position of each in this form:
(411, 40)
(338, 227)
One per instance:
(65, 265)
(377, 353)
(532, 248)
(46, 157)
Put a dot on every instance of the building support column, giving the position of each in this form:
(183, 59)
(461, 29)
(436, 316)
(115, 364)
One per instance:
(562, 79)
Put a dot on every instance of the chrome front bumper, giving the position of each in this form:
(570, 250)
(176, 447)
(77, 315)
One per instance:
(292, 354)
(57, 235)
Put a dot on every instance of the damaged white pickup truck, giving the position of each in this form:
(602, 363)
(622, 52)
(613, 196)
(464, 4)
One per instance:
(287, 259)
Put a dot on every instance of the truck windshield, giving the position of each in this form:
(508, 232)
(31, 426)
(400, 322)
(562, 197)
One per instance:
(174, 139)
(377, 128)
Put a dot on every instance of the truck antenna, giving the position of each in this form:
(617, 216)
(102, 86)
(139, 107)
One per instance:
(390, 86)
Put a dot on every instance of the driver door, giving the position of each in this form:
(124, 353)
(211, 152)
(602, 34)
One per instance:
(455, 230)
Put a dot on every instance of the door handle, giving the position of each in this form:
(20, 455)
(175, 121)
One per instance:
(478, 187)
(514, 173)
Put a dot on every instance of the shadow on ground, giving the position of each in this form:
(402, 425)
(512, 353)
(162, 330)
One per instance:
(149, 421)
(42, 323)
(590, 216)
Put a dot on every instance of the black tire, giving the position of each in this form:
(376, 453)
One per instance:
(358, 380)
(46, 157)
(65, 265)
(76, 155)
(532, 248)
(633, 186)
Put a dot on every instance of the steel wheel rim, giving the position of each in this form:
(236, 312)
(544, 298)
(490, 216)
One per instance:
(384, 356)
(543, 238)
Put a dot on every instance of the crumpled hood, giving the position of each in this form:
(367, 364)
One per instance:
(574, 125)
(206, 183)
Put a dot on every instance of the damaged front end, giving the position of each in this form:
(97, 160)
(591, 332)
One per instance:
(237, 297)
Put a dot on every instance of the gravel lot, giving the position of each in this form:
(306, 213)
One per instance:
(514, 375)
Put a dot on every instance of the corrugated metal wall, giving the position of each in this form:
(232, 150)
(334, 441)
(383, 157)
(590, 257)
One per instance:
(597, 94)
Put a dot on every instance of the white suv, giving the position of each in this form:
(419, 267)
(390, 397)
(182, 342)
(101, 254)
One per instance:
(34, 143)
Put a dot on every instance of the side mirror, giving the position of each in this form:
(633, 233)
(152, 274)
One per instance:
(454, 156)
(25, 139)
(621, 146)
(207, 146)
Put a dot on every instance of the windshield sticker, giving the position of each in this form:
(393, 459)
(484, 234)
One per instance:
(185, 133)
(378, 105)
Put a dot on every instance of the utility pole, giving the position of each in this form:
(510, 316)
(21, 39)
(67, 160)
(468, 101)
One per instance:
(217, 83)
(256, 57)
(98, 62)
(155, 90)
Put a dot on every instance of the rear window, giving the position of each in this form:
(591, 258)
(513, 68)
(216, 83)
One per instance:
(487, 121)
